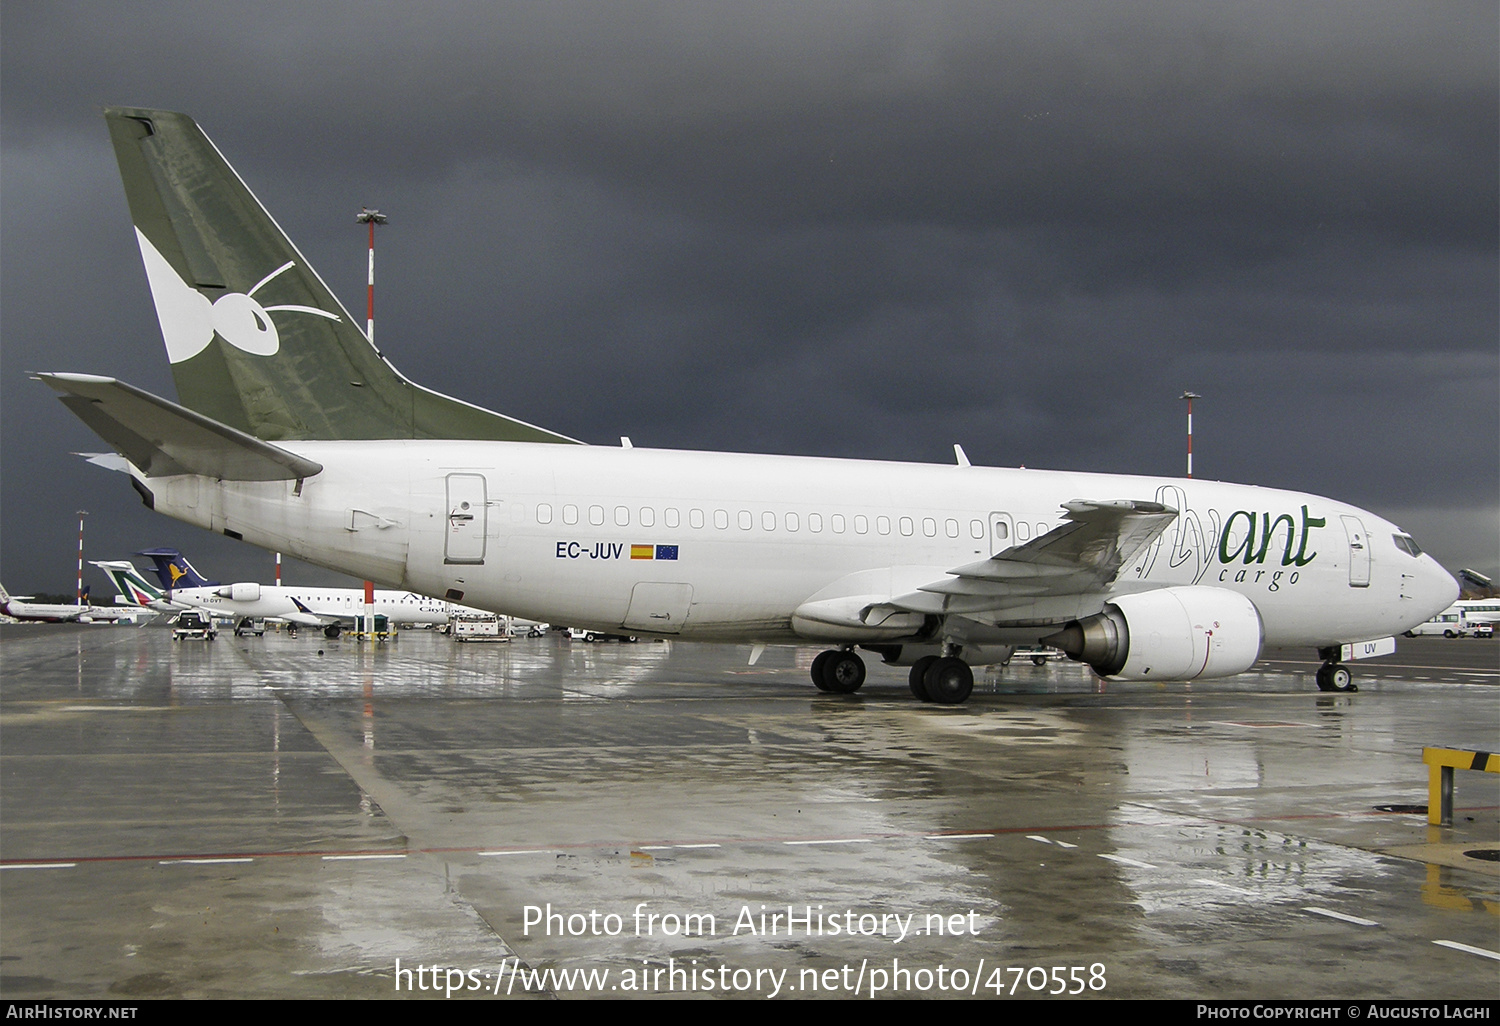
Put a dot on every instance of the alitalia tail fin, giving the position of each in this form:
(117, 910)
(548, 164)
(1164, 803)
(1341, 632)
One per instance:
(257, 341)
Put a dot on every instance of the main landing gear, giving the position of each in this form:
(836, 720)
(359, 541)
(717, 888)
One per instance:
(838, 672)
(1334, 675)
(946, 681)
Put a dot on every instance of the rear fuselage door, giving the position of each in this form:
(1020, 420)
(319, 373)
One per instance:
(1359, 552)
(467, 520)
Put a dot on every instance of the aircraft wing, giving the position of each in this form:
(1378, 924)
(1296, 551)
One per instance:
(1083, 555)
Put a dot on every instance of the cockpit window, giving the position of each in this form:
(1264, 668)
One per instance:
(1406, 543)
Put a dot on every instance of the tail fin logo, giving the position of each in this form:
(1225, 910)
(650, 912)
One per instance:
(189, 320)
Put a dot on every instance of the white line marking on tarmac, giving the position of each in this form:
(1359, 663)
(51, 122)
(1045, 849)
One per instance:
(1331, 914)
(1037, 837)
(1482, 952)
(697, 846)
(1224, 886)
(358, 858)
(43, 865)
(837, 840)
(526, 851)
(957, 837)
(202, 862)
(1128, 862)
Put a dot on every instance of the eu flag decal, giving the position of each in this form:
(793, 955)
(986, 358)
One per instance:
(666, 552)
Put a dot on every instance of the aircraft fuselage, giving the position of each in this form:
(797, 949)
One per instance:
(727, 546)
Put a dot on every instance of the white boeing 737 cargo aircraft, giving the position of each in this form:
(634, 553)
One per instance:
(295, 434)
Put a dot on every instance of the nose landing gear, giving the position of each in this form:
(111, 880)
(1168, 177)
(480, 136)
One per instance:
(1335, 676)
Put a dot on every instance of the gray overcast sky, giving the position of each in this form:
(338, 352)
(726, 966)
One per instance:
(854, 229)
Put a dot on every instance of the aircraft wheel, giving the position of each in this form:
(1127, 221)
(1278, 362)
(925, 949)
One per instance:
(918, 677)
(1038, 660)
(818, 663)
(333, 630)
(1335, 677)
(844, 673)
(949, 681)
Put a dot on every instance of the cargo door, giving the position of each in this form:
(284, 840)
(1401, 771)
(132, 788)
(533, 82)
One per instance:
(658, 608)
(467, 519)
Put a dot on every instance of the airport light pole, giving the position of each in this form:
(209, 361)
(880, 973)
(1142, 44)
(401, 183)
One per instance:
(1190, 396)
(371, 218)
(81, 514)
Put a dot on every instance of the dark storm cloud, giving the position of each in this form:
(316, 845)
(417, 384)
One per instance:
(866, 229)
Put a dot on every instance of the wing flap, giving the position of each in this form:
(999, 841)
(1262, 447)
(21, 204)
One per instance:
(1085, 554)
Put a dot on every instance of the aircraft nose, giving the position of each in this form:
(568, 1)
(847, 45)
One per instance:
(1437, 588)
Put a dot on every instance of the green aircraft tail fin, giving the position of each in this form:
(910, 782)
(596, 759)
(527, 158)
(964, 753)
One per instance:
(257, 341)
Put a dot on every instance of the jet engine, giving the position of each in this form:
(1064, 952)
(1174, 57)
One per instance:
(246, 591)
(1171, 634)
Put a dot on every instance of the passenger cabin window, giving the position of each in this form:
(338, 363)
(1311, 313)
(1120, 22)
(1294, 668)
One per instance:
(791, 521)
(861, 524)
(746, 520)
(929, 527)
(648, 516)
(768, 521)
(671, 517)
(906, 527)
(570, 514)
(622, 516)
(950, 528)
(1023, 530)
(544, 513)
(815, 522)
(721, 519)
(695, 518)
(976, 529)
(837, 521)
(596, 515)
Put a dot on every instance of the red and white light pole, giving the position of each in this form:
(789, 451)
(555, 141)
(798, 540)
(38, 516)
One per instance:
(81, 514)
(371, 218)
(1190, 396)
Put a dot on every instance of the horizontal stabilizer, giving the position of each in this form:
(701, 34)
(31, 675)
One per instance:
(162, 438)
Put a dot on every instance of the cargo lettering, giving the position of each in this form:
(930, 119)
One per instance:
(1252, 548)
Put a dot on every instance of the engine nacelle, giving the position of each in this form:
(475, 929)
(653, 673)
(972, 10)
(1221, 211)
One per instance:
(246, 591)
(1171, 634)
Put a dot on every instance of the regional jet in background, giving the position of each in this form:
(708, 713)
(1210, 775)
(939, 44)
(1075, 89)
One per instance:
(15, 607)
(328, 609)
(294, 433)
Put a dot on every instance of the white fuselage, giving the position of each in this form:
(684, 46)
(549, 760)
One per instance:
(726, 546)
(308, 606)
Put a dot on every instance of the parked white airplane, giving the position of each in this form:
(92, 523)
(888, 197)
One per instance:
(48, 612)
(295, 434)
(329, 609)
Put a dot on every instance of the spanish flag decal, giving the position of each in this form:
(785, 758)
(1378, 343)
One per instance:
(653, 552)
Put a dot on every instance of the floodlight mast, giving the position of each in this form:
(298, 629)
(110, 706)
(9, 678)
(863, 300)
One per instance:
(371, 218)
(79, 595)
(1190, 396)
